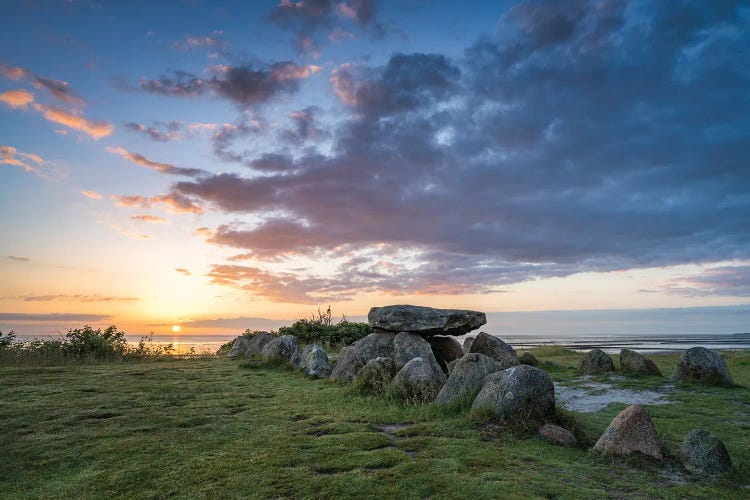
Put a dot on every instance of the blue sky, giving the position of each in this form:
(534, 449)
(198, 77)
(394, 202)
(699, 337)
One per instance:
(177, 162)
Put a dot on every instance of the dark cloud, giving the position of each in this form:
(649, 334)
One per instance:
(71, 298)
(163, 168)
(17, 259)
(59, 90)
(596, 136)
(159, 132)
(725, 280)
(243, 85)
(305, 127)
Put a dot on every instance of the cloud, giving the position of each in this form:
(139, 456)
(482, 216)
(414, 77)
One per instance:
(11, 156)
(244, 85)
(130, 234)
(60, 90)
(13, 72)
(240, 323)
(213, 41)
(304, 127)
(172, 202)
(147, 218)
(17, 259)
(92, 194)
(18, 99)
(183, 271)
(727, 281)
(170, 131)
(163, 168)
(74, 120)
(53, 317)
(71, 298)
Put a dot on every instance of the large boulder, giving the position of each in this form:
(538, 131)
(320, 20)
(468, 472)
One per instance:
(557, 435)
(445, 349)
(631, 431)
(521, 394)
(425, 320)
(314, 361)
(407, 346)
(704, 453)
(283, 349)
(467, 378)
(704, 366)
(240, 346)
(354, 357)
(467, 344)
(495, 348)
(418, 381)
(635, 363)
(245, 345)
(376, 376)
(596, 361)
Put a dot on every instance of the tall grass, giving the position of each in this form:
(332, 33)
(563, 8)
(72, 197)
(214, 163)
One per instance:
(79, 345)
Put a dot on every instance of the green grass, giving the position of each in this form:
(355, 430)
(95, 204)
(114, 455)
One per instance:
(206, 428)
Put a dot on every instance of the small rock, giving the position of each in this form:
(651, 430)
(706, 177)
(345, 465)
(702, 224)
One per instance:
(425, 320)
(376, 376)
(521, 394)
(445, 350)
(418, 381)
(705, 454)
(467, 378)
(704, 366)
(495, 348)
(635, 363)
(314, 361)
(282, 349)
(528, 359)
(631, 431)
(557, 435)
(467, 344)
(354, 357)
(595, 361)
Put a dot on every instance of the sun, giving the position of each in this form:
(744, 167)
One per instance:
(176, 328)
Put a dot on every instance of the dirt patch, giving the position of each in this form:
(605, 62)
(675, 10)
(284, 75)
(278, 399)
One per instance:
(595, 396)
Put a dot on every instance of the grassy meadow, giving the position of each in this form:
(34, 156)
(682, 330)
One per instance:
(209, 427)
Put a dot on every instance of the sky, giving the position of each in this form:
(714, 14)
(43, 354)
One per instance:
(230, 165)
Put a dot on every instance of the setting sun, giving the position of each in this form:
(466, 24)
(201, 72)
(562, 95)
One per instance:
(176, 328)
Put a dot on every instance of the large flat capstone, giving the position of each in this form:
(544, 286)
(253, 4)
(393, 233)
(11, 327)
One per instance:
(425, 320)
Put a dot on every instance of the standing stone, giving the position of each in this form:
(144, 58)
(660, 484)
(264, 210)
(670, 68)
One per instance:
(521, 394)
(445, 349)
(239, 347)
(467, 378)
(495, 348)
(596, 361)
(376, 376)
(282, 349)
(407, 346)
(631, 431)
(701, 365)
(354, 357)
(557, 435)
(314, 362)
(425, 320)
(705, 454)
(418, 381)
(635, 363)
(467, 344)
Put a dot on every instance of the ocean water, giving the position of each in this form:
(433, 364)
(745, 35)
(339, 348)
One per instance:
(209, 344)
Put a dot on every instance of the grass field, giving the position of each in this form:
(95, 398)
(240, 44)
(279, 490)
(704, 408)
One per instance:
(209, 428)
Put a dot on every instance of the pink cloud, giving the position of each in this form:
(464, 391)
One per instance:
(17, 99)
(95, 130)
(92, 194)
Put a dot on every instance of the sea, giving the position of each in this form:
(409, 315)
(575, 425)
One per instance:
(209, 344)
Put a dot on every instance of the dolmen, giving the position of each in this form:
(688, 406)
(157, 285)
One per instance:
(702, 366)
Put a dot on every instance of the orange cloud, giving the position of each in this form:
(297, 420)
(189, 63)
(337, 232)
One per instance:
(17, 98)
(96, 130)
(182, 271)
(13, 72)
(92, 194)
(173, 202)
(164, 168)
(128, 233)
(11, 156)
(148, 218)
(291, 71)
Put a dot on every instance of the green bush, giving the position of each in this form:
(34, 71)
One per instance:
(323, 330)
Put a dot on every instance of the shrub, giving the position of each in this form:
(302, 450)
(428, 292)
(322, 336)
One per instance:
(323, 330)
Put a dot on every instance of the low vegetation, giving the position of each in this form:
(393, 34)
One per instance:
(204, 427)
(78, 345)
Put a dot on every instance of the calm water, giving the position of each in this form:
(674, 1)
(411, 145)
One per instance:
(208, 344)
